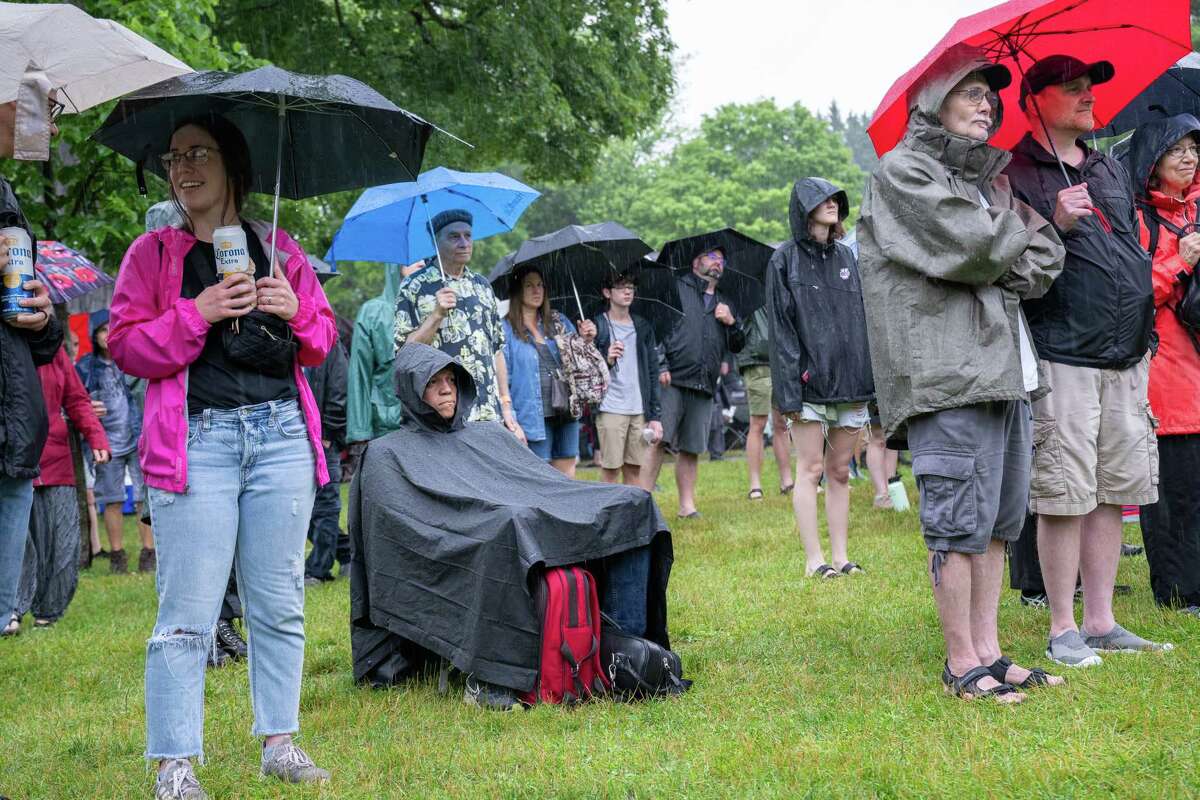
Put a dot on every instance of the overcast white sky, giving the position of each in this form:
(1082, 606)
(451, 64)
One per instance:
(806, 50)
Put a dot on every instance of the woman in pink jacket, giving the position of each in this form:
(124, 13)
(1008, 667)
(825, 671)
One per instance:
(230, 450)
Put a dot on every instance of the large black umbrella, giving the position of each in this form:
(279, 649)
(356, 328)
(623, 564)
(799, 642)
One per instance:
(573, 261)
(308, 134)
(1176, 91)
(742, 282)
(657, 297)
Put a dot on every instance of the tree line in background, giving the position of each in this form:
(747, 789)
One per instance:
(571, 96)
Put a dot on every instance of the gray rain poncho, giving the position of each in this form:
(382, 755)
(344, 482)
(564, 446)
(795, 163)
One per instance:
(450, 523)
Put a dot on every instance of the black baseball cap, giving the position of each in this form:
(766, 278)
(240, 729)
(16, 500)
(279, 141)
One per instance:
(1056, 69)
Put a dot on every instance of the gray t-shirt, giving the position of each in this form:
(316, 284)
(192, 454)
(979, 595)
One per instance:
(624, 394)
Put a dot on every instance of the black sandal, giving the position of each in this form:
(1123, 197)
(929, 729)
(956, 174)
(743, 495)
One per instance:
(787, 489)
(850, 568)
(754, 494)
(825, 571)
(967, 686)
(999, 671)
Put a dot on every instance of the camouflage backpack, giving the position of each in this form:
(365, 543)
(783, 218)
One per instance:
(583, 367)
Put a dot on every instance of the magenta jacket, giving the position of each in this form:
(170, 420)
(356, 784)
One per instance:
(156, 334)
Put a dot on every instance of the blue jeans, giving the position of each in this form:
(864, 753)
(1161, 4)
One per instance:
(624, 597)
(249, 496)
(16, 499)
(562, 441)
(324, 529)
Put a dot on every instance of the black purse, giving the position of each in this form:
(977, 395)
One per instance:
(261, 342)
(639, 668)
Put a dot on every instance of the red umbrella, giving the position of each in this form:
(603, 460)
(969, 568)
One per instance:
(1141, 39)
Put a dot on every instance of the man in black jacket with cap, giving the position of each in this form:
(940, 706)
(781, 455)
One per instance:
(1093, 435)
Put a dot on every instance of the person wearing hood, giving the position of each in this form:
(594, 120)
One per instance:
(820, 364)
(946, 254)
(372, 408)
(27, 341)
(231, 449)
(451, 523)
(447, 305)
(1094, 434)
(1163, 157)
(113, 402)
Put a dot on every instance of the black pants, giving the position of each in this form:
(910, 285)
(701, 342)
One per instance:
(1171, 527)
(231, 606)
(324, 529)
(1024, 569)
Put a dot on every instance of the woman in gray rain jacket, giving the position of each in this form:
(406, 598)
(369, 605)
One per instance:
(947, 254)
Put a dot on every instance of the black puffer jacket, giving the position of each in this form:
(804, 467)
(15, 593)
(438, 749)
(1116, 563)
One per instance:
(23, 422)
(698, 343)
(819, 351)
(1100, 311)
(328, 383)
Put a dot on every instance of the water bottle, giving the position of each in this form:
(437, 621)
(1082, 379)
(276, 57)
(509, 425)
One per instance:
(898, 494)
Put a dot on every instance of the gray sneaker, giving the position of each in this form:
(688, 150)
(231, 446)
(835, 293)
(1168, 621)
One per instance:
(1119, 640)
(177, 781)
(1070, 650)
(291, 765)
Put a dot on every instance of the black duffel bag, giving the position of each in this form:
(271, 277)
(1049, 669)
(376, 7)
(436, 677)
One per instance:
(638, 668)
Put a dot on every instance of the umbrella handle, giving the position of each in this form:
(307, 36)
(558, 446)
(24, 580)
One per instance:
(432, 237)
(278, 183)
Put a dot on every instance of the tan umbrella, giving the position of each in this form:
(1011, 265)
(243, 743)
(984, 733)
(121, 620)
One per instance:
(88, 60)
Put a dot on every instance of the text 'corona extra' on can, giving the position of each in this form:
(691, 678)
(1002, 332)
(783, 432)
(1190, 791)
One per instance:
(229, 243)
(17, 271)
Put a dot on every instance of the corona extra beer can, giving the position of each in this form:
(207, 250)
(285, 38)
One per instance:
(18, 270)
(233, 256)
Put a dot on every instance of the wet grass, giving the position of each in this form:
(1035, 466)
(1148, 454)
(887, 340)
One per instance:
(803, 689)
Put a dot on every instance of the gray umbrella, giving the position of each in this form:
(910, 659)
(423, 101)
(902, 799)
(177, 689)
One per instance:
(308, 134)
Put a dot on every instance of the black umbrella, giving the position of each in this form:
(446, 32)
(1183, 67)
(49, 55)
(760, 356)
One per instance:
(1176, 91)
(742, 282)
(657, 298)
(573, 261)
(308, 134)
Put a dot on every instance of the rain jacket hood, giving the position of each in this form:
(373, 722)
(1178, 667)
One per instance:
(927, 96)
(1150, 142)
(946, 254)
(807, 194)
(451, 524)
(416, 364)
(372, 408)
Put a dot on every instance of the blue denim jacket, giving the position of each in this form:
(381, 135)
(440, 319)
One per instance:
(524, 383)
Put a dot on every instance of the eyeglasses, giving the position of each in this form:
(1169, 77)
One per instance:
(196, 156)
(715, 255)
(56, 108)
(976, 95)
(1178, 152)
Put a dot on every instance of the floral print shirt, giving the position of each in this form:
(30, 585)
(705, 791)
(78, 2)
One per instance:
(472, 332)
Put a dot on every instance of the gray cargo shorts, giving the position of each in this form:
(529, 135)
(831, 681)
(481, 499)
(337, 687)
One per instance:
(971, 466)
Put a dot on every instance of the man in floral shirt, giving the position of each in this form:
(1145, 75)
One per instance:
(459, 316)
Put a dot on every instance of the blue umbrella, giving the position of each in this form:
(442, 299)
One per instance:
(392, 223)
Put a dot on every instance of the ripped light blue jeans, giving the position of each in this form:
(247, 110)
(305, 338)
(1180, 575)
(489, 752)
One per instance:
(250, 493)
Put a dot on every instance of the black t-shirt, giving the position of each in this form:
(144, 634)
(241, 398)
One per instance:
(213, 380)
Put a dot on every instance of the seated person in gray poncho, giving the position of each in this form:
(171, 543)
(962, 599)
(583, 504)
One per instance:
(452, 522)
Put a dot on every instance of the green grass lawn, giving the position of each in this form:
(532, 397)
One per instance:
(803, 689)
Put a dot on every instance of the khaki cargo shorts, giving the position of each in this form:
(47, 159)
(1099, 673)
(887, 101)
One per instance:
(1094, 441)
(758, 389)
(621, 439)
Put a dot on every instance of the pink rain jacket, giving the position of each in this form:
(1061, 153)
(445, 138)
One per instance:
(156, 334)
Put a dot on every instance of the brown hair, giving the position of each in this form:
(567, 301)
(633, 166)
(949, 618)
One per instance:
(516, 304)
(836, 231)
(235, 157)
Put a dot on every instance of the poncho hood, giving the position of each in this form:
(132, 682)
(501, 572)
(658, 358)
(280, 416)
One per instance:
(416, 364)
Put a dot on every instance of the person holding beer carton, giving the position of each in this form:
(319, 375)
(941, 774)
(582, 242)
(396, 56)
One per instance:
(231, 445)
(29, 336)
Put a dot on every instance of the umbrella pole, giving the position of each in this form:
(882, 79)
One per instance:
(578, 302)
(278, 181)
(432, 237)
(1012, 51)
